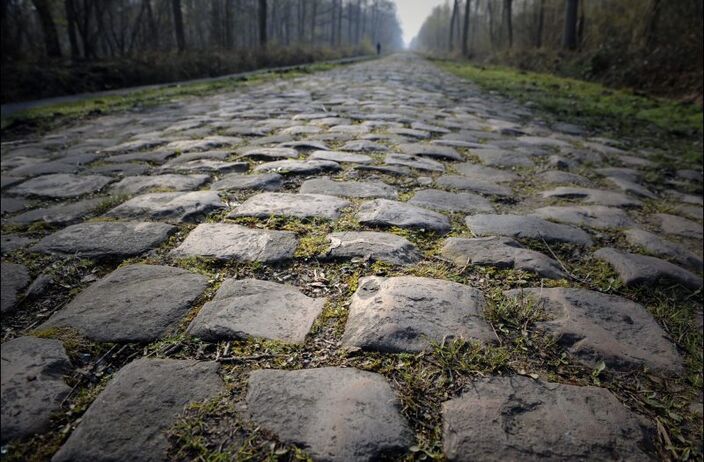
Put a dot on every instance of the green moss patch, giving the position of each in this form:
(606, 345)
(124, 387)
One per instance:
(620, 113)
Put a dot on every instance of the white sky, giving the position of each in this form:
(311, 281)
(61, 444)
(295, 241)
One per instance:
(412, 14)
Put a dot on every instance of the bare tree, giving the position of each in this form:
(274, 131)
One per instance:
(364, 20)
(508, 21)
(340, 9)
(350, 15)
(476, 15)
(229, 24)
(541, 22)
(151, 39)
(313, 20)
(301, 20)
(492, 33)
(453, 19)
(333, 22)
(465, 27)
(97, 29)
(178, 25)
(358, 31)
(84, 25)
(581, 24)
(569, 38)
(652, 24)
(69, 10)
(262, 24)
(51, 37)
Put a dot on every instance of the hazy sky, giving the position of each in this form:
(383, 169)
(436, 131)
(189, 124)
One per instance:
(412, 14)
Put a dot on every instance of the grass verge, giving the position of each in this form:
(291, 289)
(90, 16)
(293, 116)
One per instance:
(621, 114)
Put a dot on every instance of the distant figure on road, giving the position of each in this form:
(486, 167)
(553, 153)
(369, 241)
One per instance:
(378, 48)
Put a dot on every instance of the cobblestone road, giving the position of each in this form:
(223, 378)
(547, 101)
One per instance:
(376, 261)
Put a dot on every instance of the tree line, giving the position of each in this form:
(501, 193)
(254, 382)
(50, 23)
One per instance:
(89, 30)
(476, 27)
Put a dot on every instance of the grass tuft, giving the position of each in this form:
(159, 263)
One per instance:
(654, 122)
(74, 343)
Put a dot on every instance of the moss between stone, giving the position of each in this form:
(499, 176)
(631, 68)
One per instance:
(74, 342)
(214, 430)
(38, 448)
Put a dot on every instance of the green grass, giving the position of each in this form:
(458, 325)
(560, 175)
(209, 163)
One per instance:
(110, 202)
(72, 340)
(617, 113)
(192, 436)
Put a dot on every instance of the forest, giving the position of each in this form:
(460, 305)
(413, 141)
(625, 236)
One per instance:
(52, 47)
(654, 46)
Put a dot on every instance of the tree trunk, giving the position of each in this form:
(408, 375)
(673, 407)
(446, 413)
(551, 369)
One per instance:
(253, 37)
(364, 20)
(229, 26)
(652, 25)
(465, 28)
(373, 20)
(358, 23)
(178, 25)
(340, 9)
(333, 22)
(137, 28)
(313, 20)
(453, 19)
(473, 30)
(350, 13)
(51, 37)
(273, 31)
(541, 22)
(102, 36)
(287, 23)
(508, 19)
(84, 29)
(492, 35)
(153, 28)
(262, 24)
(301, 20)
(70, 12)
(569, 39)
(581, 24)
(216, 33)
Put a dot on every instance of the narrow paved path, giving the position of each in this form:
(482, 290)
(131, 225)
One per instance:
(8, 109)
(376, 261)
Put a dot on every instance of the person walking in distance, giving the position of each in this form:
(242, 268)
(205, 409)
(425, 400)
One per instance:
(378, 48)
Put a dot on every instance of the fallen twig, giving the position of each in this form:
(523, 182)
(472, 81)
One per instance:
(241, 359)
(562, 265)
